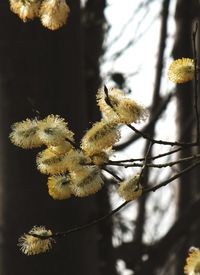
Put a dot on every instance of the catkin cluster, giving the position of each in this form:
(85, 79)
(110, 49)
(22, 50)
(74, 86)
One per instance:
(64, 164)
(77, 171)
(52, 13)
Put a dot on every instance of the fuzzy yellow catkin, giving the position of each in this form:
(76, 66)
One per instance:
(83, 173)
(54, 13)
(25, 9)
(51, 163)
(87, 182)
(121, 110)
(62, 148)
(75, 159)
(192, 266)
(59, 186)
(181, 70)
(53, 130)
(25, 134)
(31, 245)
(100, 158)
(130, 189)
(101, 136)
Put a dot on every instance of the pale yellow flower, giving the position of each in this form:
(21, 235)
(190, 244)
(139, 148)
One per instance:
(31, 245)
(25, 134)
(130, 189)
(87, 182)
(192, 266)
(51, 163)
(100, 158)
(101, 136)
(75, 161)
(59, 186)
(181, 70)
(115, 96)
(61, 148)
(118, 108)
(53, 130)
(25, 9)
(84, 172)
(54, 13)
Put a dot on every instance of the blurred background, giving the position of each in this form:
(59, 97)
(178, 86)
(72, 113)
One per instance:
(124, 44)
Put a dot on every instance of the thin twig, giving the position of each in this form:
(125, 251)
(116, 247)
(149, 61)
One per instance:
(164, 183)
(144, 166)
(85, 226)
(110, 162)
(112, 173)
(157, 165)
(120, 162)
(111, 213)
(108, 101)
(107, 98)
(163, 142)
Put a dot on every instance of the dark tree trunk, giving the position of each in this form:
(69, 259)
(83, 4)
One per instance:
(94, 29)
(42, 70)
(185, 15)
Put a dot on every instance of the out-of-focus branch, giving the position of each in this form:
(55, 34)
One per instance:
(194, 41)
(140, 222)
(176, 176)
(142, 5)
(161, 250)
(132, 41)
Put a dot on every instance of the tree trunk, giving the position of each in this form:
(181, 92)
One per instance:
(42, 70)
(185, 15)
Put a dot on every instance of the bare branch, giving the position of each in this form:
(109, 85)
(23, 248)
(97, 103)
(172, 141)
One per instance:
(163, 142)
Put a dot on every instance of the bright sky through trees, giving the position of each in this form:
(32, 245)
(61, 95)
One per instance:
(131, 49)
(140, 29)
